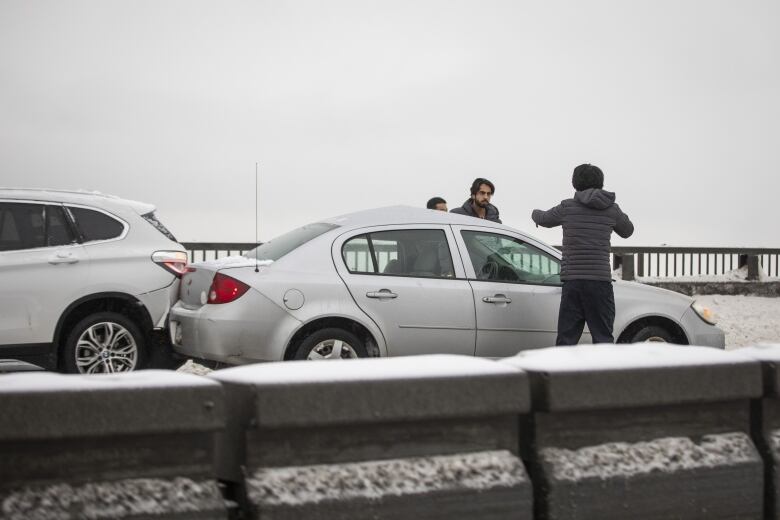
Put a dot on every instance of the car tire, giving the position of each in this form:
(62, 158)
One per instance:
(321, 345)
(104, 342)
(652, 334)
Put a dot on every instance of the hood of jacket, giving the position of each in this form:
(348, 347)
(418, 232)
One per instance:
(595, 198)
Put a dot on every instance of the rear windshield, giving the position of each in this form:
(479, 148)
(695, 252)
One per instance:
(278, 247)
(152, 219)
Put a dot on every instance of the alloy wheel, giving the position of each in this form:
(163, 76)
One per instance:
(332, 349)
(106, 347)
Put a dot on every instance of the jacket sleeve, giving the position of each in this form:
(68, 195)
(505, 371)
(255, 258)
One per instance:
(550, 218)
(623, 225)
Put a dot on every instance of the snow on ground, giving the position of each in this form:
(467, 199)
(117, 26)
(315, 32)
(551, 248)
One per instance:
(746, 320)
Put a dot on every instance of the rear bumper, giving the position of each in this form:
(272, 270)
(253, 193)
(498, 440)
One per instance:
(249, 330)
(702, 333)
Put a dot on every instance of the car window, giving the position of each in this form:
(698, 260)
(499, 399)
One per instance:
(58, 231)
(278, 247)
(94, 225)
(29, 226)
(503, 258)
(152, 219)
(408, 252)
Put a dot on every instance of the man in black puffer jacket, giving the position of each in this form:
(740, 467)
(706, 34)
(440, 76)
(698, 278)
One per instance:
(588, 220)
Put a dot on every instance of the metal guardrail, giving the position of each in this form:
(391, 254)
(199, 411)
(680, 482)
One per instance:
(674, 262)
(200, 251)
(661, 262)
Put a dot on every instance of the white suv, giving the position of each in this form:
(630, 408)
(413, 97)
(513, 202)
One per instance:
(86, 281)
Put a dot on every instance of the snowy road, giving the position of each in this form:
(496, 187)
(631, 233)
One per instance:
(746, 320)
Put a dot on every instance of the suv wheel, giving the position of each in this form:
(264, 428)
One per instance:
(331, 343)
(105, 342)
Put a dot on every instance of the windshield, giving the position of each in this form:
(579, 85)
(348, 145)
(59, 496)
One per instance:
(281, 245)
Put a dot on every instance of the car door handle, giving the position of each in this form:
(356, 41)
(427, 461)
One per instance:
(382, 294)
(63, 258)
(498, 298)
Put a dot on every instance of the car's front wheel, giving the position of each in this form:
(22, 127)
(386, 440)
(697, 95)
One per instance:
(652, 334)
(105, 342)
(331, 343)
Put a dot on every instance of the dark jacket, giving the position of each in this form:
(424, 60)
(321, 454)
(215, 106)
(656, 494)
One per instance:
(491, 212)
(588, 221)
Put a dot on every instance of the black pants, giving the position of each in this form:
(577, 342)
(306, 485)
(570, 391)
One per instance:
(586, 301)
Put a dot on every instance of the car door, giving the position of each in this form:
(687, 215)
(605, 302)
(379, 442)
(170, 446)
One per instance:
(42, 270)
(517, 290)
(408, 281)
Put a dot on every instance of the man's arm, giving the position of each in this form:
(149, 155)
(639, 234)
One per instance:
(550, 218)
(623, 225)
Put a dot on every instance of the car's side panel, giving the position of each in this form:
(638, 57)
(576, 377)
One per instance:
(511, 316)
(37, 286)
(321, 294)
(426, 315)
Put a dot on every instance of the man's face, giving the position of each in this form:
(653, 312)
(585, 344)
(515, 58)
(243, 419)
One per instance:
(483, 195)
(441, 206)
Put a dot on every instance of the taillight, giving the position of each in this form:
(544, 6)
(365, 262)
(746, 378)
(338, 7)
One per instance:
(172, 261)
(225, 289)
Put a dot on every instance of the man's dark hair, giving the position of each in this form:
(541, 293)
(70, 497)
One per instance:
(479, 181)
(587, 176)
(433, 201)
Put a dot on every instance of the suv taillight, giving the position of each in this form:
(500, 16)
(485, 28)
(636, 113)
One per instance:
(225, 289)
(172, 261)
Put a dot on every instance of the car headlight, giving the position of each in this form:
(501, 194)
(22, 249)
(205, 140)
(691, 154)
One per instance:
(704, 313)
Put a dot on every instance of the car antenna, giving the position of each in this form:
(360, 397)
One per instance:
(257, 268)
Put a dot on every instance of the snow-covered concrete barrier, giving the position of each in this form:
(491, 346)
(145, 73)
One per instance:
(766, 422)
(122, 446)
(642, 431)
(420, 437)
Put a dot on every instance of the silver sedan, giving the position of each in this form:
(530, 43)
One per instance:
(400, 281)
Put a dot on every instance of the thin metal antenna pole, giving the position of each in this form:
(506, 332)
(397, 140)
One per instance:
(257, 269)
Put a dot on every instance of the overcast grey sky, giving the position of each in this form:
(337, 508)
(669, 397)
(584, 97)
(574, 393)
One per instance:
(355, 104)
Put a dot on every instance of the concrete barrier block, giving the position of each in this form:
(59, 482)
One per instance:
(131, 445)
(643, 431)
(427, 436)
(765, 415)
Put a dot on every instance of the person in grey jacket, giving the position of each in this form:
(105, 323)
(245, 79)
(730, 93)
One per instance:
(479, 205)
(588, 221)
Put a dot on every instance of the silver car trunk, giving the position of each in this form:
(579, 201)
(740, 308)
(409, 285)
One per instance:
(196, 282)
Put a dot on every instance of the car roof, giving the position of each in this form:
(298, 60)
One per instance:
(88, 198)
(399, 215)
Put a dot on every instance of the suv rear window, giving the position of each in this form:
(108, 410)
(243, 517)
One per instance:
(95, 225)
(281, 245)
(152, 219)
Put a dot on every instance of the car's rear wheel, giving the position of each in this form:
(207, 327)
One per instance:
(105, 342)
(331, 343)
(652, 334)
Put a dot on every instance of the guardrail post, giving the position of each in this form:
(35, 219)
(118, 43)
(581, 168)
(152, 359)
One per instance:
(122, 446)
(628, 266)
(418, 437)
(643, 431)
(641, 264)
(753, 267)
